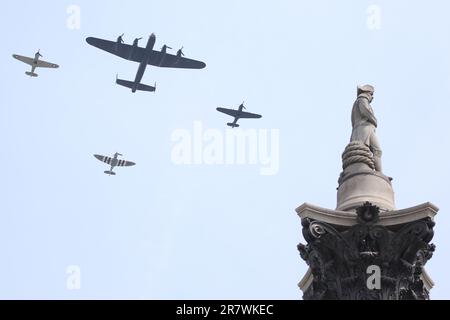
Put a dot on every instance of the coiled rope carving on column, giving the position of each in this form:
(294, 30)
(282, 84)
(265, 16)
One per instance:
(357, 152)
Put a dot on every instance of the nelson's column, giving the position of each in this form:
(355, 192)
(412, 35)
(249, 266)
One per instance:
(366, 248)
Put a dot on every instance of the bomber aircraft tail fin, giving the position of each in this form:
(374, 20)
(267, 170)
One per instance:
(134, 87)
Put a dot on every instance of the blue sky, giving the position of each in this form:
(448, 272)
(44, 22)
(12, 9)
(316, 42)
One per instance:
(165, 231)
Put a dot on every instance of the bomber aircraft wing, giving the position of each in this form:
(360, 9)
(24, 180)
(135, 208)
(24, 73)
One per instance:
(125, 51)
(167, 60)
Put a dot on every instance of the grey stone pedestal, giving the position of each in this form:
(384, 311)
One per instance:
(359, 184)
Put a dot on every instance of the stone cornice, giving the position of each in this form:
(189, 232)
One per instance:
(388, 218)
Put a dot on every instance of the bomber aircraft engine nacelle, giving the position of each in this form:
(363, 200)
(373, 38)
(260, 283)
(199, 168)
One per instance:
(119, 42)
(120, 38)
(163, 53)
(135, 41)
(164, 49)
(180, 53)
(135, 45)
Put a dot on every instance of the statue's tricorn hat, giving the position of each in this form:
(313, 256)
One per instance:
(365, 88)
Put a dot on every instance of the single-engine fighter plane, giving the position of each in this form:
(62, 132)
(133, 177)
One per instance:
(114, 162)
(238, 114)
(35, 63)
(144, 56)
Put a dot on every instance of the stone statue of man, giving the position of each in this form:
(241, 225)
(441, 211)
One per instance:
(364, 123)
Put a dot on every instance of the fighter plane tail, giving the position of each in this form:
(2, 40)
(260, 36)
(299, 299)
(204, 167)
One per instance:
(31, 74)
(134, 87)
(233, 125)
(110, 172)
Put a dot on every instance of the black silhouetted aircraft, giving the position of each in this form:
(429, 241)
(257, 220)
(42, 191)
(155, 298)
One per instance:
(144, 56)
(238, 114)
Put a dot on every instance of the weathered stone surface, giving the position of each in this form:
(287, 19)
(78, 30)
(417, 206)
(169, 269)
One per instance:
(359, 186)
(348, 218)
(360, 182)
(339, 256)
(364, 124)
(366, 231)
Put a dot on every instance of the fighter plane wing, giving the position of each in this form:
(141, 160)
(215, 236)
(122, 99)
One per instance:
(45, 64)
(137, 54)
(40, 63)
(229, 112)
(236, 113)
(26, 60)
(249, 115)
(173, 61)
(125, 163)
(104, 159)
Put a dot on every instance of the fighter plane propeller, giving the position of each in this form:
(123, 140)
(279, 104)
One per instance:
(144, 56)
(114, 162)
(35, 63)
(238, 114)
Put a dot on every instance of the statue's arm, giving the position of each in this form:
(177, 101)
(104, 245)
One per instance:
(363, 105)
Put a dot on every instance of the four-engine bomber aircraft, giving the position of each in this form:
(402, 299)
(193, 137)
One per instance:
(35, 63)
(113, 162)
(144, 56)
(238, 114)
